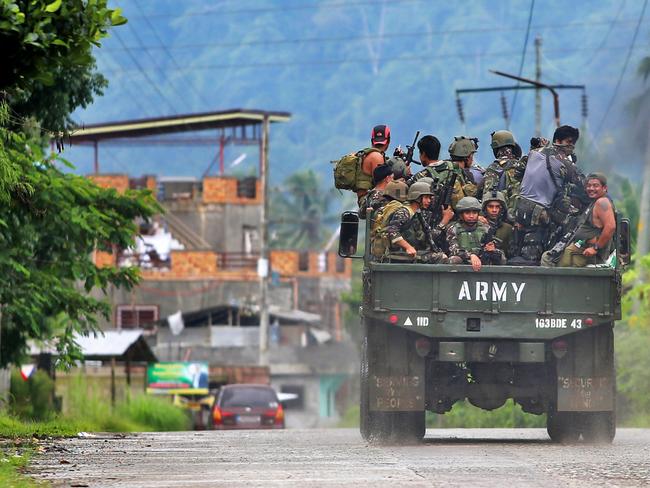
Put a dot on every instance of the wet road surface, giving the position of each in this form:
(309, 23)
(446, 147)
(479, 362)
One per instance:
(339, 457)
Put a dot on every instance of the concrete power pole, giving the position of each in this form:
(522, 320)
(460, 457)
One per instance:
(538, 92)
(264, 263)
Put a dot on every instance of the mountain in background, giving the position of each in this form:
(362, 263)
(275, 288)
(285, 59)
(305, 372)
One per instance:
(342, 67)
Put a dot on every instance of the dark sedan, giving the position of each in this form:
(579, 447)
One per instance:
(245, 406)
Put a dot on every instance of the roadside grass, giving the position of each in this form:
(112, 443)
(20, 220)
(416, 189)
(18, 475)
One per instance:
(12, 462)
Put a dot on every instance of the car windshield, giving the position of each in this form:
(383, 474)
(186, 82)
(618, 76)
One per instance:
(248, 397)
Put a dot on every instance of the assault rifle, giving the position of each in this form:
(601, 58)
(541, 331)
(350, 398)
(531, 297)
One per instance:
(443, 195)
(427, 232)
(573, 225)
(491, 257)
(408, 157)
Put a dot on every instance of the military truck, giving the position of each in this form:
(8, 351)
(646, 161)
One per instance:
(434, 335)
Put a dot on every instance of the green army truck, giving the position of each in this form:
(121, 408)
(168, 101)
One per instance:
(434, 335)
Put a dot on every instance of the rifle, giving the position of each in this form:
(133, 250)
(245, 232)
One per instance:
(410, 149)
(556, 251)
(427, 232)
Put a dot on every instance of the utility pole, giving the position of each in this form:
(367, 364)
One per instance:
(538, 92)
(263, 266)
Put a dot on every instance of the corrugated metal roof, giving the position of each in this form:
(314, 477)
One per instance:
(112, 343)
(174, 124)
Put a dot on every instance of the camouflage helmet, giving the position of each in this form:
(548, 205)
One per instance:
(462, 147)
(397, 190)
(398, 167)
(494, 196)
(418, 189)
(502, 138)
(468, 203)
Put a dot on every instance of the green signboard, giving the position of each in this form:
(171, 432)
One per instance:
(174, 378)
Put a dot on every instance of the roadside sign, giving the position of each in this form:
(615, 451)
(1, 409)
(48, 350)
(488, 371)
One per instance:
(177, 378)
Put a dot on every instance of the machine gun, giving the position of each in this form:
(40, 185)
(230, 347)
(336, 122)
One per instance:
(408, 157)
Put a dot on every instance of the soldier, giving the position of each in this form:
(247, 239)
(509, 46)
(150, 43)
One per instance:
(592, 242)
(381, 176)
(549, 172)
(505, 173)
(441, 171)
(464, 238)
(461, 152)
(408, 232)
(373, 157)
(496, 215)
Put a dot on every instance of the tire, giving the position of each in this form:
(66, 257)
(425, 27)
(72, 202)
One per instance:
(598, 427)
(409, 427)
(562, 427)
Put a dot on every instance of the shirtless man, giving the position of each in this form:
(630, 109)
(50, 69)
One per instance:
(593, 241)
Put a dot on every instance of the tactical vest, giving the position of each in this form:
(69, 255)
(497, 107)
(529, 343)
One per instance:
(379, 243)
(414, 233)
(470, 239)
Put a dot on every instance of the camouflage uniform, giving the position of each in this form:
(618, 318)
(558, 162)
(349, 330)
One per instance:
(373, 200)
(405, 225)
(443, 172)
(465, 239)
(505, 174)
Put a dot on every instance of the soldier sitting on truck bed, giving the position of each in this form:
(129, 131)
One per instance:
(592, 242)
(461, 152)
(381, 176)
(506, 172)
(496, 216)
(406, 231)
(465, 238)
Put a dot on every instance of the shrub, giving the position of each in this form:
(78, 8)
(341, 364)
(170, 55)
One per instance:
(32, 399)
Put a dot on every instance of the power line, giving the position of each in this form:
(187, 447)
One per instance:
(289, 8)
(523, 58)
(609, 31)
(168, 53)
(395, 35)
(279, 64)
(144, 73)
(627, 60)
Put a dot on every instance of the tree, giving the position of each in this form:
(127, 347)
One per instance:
(300, 212)
(642, 105)
(51, 221)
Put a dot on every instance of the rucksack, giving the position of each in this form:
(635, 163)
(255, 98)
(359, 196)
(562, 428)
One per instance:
(379, 243)
(348, 174)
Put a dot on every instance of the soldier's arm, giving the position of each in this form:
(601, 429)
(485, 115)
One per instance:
(395, 223)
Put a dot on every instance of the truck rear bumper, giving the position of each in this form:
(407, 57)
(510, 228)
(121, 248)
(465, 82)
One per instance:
(491, 351)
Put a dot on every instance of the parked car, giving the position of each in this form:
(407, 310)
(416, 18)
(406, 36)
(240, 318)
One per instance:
(247, 406)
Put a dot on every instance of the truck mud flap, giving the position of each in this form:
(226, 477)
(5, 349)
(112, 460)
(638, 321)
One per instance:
(585, 373)
(396, 372)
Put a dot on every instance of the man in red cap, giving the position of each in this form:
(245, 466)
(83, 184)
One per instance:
(380, 139)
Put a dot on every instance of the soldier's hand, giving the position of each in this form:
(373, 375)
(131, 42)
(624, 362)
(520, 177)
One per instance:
(589, 252)
(476, 262)
(410, 250)
(447, 215)
(490, 246)
(483, 220)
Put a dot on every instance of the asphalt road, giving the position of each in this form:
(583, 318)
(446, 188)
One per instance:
(339, 457)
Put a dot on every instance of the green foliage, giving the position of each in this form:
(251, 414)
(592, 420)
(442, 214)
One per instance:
(300, 212)
(465, 415)
(156, 414)
(628, 196)
(32, 399)
(12, 462)
(48, 68)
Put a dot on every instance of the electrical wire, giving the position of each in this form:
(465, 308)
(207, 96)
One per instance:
(365, 37)
(609, 31)
(144, 73)
(168, 53)
(523, 58)
(620, 78)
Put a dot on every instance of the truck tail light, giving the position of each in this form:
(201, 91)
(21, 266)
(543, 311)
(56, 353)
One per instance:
(393, 319)
(422, 346)
(559, 347)
(589, 321)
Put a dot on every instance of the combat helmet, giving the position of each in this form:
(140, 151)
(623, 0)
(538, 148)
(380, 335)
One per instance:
(462, 147)
(468, 203)
(494, 196)
(502, 138)
(398, 167)
(396, 190)
(418, 189)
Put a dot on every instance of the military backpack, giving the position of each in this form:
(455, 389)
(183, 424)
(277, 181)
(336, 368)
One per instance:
(348, 174)
(379, 243)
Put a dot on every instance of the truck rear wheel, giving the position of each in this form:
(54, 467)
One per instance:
(562, 427)
(598, 427)
(385, 427)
